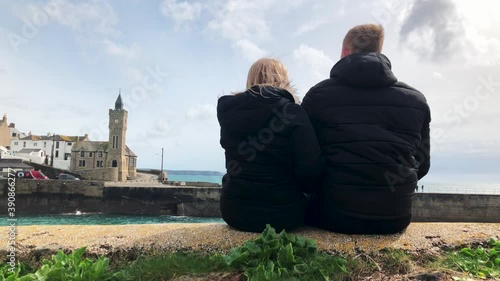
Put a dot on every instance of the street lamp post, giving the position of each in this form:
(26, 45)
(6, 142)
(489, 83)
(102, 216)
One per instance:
(52, 154)
(161, 170)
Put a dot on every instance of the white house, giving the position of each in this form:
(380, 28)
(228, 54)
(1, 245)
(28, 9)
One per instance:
(7, 154)
(41, 148)
(15, 134)
(35, 155)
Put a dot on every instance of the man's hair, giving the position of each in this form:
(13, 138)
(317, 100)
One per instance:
(365, 38)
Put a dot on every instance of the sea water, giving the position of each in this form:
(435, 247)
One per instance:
(103, 219)
(429, 186)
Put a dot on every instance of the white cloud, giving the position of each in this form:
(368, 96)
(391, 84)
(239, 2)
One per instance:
(121, 50)
(201, 112)
(241, 19)
(250, 50)
(181, 12)
(83, 16)
(317, 62)
(311, 26)
(438, 75)
(484, 50)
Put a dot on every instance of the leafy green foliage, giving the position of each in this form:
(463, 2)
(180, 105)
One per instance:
(284, 257)
(19, 270)
(480, 262)
(62, 267)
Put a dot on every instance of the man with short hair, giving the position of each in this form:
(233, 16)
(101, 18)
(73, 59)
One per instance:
(374, 136)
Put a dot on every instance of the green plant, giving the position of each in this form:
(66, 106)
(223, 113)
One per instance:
(480, 262)
(62, 267)
(19, 271)
(282, 256)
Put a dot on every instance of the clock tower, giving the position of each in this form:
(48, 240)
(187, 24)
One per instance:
(116, 144)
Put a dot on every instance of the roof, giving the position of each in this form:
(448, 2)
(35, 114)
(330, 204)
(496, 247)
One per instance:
(129, 152)
(55, 138)
(29, 150)
(119, 102)
(14, 163)
(90, 146)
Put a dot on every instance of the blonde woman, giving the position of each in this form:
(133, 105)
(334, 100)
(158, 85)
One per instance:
(272, 155)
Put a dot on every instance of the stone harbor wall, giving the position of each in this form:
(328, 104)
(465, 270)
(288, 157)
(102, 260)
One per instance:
(56, 197)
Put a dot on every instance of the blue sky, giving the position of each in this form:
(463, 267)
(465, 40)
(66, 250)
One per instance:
(62, 63)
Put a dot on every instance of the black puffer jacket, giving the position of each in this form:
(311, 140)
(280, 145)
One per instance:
(374, 135)
(272, 159)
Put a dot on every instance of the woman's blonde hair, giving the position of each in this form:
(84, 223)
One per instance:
(270, 72)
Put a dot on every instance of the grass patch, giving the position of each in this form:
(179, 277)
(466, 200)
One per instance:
(482, 262)
(395, 261)
(271, 256)
(173, 265)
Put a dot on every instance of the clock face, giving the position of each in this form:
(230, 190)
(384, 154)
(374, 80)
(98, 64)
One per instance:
(116, 121)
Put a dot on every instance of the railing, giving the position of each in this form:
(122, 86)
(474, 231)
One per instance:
(459, 190)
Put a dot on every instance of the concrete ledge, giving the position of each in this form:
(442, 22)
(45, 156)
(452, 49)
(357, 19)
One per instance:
(56, 197)
(117, 241)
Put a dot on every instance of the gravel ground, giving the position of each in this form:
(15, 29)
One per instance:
(218, 237)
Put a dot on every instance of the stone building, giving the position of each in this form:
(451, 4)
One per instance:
(110, 160)
(4, 132)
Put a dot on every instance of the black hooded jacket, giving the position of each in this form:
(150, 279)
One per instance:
(272, 159)
(374, 135)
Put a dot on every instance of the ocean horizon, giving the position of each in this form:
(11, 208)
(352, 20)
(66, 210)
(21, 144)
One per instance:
(430, 186)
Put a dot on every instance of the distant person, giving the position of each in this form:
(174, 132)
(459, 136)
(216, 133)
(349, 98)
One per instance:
(422, 188)
(272, 154)
(374, 133)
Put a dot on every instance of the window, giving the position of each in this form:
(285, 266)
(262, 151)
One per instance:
(16, 143)
(82, 153)
(57, 144)
(132, 161)
(100, 163)
(81, 163)
(100, 153)
(70, 143)
(115, 141)
(24, 144)
(90, 154)
(114, 163)
(57, 153)
(67, 156)
(35, 144)
(14, 134)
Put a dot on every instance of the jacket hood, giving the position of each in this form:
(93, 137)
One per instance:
(255, 106)
(364, 70)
